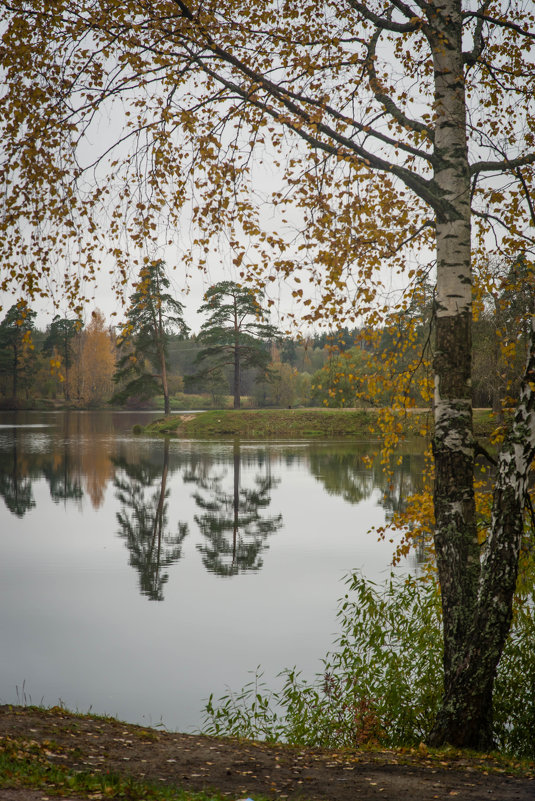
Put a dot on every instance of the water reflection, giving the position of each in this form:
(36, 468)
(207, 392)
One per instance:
(162, 490)
(354, 471)
(344, 472)
(15, 477)
(142, 492)
(66, 449)
(63, 473)
(94, 523)
(235, 532)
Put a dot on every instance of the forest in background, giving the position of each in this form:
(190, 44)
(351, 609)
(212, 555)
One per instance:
(78, 365)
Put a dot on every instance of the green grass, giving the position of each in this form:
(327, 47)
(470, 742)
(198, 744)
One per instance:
(269, 424)
(294, 424)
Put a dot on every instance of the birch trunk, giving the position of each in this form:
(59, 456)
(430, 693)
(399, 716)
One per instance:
(455, 534)
(466, 714)
(456, 545)
(477, 593)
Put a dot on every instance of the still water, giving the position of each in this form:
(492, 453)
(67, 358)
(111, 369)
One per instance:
(138, 575)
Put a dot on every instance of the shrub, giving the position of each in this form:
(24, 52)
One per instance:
(382, 682)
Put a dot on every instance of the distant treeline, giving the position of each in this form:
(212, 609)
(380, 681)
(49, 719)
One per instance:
(83, 365)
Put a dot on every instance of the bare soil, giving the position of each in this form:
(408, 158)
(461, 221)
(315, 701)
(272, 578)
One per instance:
(244, 769)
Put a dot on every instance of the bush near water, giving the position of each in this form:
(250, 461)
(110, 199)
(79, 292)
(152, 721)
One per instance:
(382, 682)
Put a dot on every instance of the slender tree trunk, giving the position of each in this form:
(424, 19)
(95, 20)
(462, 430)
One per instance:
(237, 377)
(237, 397)
(67, 388)
(477, 593)
(15, 370)
(236, 501)
(163, 366)
(165, 387)
(498, 366)
(456, 545)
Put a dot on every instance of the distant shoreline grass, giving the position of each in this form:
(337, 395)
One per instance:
(296, 423)
(309, 423)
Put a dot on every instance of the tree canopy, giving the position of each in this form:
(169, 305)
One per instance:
(345, 91)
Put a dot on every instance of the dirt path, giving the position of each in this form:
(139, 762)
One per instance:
(243, 769)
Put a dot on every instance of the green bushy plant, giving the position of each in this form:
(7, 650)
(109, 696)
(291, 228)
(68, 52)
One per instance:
(382, 682)
(514, 691)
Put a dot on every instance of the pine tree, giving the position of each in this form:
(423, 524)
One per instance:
(153, 314)
(235, 334)
(15, 342)
(60, 337)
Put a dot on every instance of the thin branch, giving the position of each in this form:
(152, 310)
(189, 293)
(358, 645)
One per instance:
(480, 450)
(502, 23)
(479, 43)
(485, 215)
(527, 194)
(384, 23)
(386, 101)
(500, 166)
(415, 235)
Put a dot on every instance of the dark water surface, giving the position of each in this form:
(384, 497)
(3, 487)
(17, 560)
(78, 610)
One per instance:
(138, 575)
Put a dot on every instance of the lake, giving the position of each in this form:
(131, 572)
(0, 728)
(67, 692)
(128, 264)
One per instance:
(139, 575)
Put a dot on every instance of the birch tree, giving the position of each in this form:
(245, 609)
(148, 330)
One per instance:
(401, 128)
(97, 361)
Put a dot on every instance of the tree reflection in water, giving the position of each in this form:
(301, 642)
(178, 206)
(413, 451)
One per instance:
(142, 491)
(353, 471)
(15, 480)
(63, 476)
(231, 522)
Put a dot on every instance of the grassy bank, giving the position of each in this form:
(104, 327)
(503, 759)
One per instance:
(268, 424)
(295, 424)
